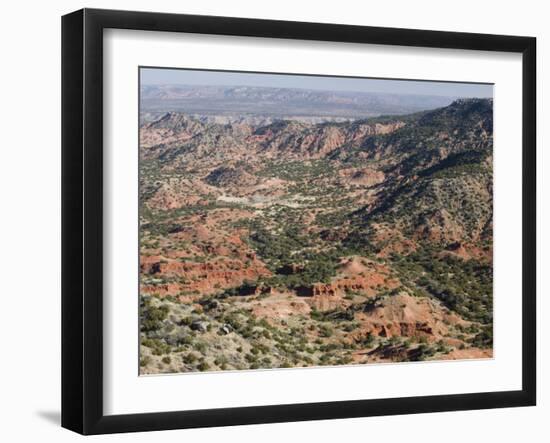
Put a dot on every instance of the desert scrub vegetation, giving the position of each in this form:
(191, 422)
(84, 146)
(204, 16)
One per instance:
(152, 316)
(299, 171)
(157, 346)
(464, 286)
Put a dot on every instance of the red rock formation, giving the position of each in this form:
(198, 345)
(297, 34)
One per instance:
(406, 316)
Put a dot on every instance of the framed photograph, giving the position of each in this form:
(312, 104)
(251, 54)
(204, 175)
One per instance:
(270, 221)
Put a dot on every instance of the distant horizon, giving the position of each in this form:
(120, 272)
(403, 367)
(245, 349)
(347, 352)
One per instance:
(185, 85)
(162, 77)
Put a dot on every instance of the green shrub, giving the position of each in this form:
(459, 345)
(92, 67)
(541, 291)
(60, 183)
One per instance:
(144, 361)
(203, 366)
(189, 358)
(325, 331)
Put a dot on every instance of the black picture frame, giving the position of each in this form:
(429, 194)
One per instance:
(82, 215)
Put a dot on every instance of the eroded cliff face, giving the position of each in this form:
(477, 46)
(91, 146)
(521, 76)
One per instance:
(178, 137)
(275, 243)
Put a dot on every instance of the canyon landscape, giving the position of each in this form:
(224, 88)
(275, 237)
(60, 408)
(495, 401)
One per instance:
(285, 227)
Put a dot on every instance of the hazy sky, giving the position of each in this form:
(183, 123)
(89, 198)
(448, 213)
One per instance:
(158, 76)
